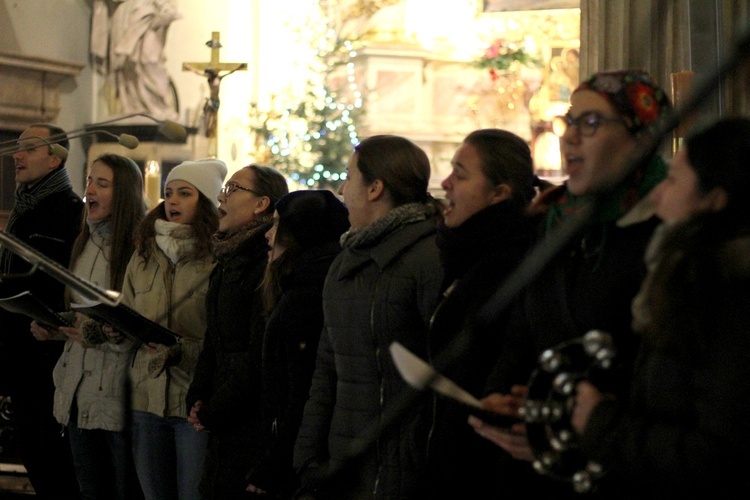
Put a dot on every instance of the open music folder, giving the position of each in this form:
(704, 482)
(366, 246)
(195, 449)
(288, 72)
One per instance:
(29, 305)
(128, 321)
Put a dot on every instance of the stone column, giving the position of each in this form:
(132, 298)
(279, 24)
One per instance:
(664, 37)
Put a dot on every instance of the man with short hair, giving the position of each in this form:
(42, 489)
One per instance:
(47, 216)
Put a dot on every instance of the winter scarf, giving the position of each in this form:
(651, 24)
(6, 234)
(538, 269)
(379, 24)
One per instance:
(174, 239)
(484, 233)
(226, 243)
(618, 203)
(28, 198)
(396, 218)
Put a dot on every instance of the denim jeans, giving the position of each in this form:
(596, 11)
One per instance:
(169, 455)
(103, 462)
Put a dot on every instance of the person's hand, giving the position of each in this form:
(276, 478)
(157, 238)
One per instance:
(193, 417)
(587, 397)
(42, 333)
(254, 489)
(73, 334)
(114, 335)
(512, 440)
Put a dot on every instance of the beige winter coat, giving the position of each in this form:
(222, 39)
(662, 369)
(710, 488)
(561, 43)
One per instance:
(95, 376)
(174, 296)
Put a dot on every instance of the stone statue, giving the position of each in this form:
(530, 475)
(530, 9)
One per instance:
(127, 45)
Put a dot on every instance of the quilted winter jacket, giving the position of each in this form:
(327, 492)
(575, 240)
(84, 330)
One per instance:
(173, 295)
(372, 297)
(93, 376)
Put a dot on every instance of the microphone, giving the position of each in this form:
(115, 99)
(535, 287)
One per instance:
(173, 131)
(58, 151)
(54, 148)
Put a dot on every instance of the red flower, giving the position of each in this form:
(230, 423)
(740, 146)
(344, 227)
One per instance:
(493, 74)
(492, 51)
(644, 102)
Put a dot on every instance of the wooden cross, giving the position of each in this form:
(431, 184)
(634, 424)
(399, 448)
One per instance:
(214, 70)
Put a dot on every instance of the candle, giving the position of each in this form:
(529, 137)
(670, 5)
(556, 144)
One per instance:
(682, 82)
(153, 183)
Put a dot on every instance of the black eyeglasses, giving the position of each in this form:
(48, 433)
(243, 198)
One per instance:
(231, 187)
(585, 125)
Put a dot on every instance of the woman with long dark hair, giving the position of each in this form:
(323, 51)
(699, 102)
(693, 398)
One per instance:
(91, 380)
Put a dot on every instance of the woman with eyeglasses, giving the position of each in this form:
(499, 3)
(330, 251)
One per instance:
(591, 283)
(683, 430)
(166, 281)
(223, 400)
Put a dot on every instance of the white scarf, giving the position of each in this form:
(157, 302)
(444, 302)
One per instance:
(174, 239)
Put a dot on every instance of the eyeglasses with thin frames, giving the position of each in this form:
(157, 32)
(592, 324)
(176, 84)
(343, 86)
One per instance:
(586, 124)
(231, 187)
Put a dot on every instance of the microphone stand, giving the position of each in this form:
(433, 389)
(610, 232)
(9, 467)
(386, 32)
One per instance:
(168, 128)
(40, 261)
(539, 257)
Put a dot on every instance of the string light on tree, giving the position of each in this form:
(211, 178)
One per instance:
(311, 140)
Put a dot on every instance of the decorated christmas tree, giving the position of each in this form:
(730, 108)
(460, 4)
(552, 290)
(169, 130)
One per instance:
(310, 140)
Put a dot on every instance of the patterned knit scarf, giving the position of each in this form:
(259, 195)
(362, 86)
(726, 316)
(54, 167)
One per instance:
(226, 243)
(28, 198)
(619, 202)
(396, 218)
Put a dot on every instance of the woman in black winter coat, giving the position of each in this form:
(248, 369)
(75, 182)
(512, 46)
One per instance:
(303, 241)
(482, 238)
(224, 397)
(684, 431)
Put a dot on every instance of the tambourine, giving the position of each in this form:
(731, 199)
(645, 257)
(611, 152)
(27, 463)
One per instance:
(549, 405)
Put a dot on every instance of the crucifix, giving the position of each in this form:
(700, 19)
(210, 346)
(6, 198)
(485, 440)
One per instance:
(214, 71)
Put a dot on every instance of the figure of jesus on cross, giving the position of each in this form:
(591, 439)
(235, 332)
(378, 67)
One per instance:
(215, 71)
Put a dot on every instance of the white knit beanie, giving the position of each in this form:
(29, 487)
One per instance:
(206, 175)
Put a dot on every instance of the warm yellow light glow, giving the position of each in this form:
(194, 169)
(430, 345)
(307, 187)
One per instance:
(152, 183)
(547, 153)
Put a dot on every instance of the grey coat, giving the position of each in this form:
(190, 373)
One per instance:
(374, 294)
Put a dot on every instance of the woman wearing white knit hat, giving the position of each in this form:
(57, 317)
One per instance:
(166, 281)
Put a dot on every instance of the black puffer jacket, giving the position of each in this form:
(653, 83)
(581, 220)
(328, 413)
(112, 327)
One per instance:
(377, 292)
(227, 378)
